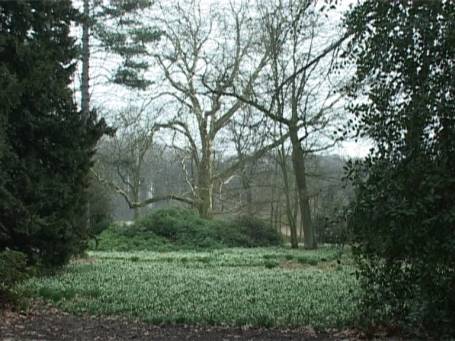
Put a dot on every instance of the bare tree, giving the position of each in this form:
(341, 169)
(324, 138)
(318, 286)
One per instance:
(288, 189)
(248, 133)
(296, 90)
(128, 158)
(206, 50)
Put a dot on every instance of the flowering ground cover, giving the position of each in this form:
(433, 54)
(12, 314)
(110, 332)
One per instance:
(260, 287)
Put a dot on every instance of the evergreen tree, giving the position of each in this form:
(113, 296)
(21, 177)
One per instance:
(403, 218)
(124, 28)
(46, 144)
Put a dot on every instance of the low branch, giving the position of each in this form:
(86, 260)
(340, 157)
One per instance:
(162, 198)
(133, 204)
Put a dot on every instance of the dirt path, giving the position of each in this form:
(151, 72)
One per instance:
(48, 323)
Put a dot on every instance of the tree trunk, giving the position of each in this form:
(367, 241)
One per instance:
(136, 214)
(248, 192)
(205, 184)
(298, 161)
(85, 83)
(85, 78)
(205, 191)
(287, 189)
(137, 185)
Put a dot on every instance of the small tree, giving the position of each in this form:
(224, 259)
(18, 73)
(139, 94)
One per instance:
(295, 90)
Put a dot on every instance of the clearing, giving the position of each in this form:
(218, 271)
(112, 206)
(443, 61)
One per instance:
(239, 291)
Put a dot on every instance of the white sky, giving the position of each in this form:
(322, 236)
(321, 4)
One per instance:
(109, 97)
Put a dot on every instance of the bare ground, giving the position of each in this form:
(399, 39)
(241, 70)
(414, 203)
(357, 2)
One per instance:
(44, 322)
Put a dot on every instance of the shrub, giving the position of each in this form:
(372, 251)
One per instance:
(177, 228)
(270, 264)
(402, 218)
(250, 232)
(125, 238)
(231, 235)
(181, 227)
(404, 246)
(307, 260)
(13, 269)
(332, 228)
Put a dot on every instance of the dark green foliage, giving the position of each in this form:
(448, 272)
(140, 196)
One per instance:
(46, 145)
(249, 232)
(180, 227)
(56, 295)
(332, 228)
(176, 228)
(13, 268)
(270, 264)
(99, 199)
(403, 218)
(123, 28)
(307, 260)
(127, 238)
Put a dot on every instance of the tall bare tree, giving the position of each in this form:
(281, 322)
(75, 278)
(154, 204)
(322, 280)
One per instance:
(296, 90)
(206, 52)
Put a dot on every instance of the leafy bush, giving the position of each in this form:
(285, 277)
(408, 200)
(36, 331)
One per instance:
(270, 264)
(404, 245)
(403, 217)
(124, 238)
(13, 269)
(332, 229)
(249, 232)
(307, 260)
(181, 227)
(176, 228)
(13, 266)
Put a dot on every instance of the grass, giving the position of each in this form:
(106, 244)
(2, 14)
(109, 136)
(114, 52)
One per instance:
(267, 287)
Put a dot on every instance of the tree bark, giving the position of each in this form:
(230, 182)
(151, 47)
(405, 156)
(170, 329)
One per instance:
(136, 212)
(298, 161)
(205, 180)
(137, 183)
(85, 83)
(247, 192)
(85, 78)
(292, 223)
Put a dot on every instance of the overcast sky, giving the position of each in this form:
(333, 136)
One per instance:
(108, 97)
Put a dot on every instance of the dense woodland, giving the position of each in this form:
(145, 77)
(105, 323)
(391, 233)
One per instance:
(216, 131)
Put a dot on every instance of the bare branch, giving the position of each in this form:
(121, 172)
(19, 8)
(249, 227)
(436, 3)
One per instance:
(253, 157)
(132, 204)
